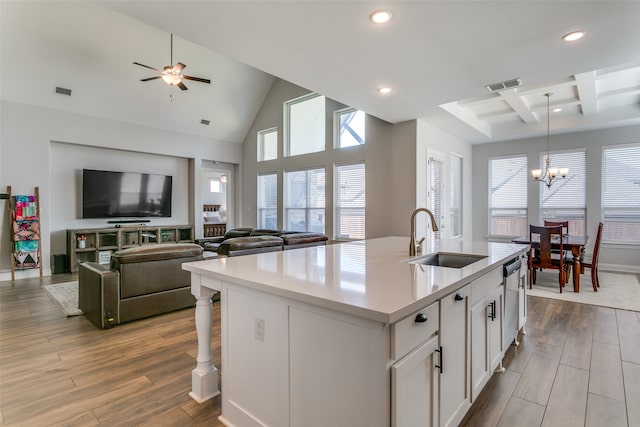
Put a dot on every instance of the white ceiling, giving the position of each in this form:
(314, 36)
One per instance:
(434, 54)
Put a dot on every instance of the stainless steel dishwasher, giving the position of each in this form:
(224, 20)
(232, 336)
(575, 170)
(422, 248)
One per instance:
(514, 299)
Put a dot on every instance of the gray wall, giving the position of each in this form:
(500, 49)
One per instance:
(614, 257)
(393, 154)
(26, 137)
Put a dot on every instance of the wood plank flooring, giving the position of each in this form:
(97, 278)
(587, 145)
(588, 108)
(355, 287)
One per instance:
(578, 365)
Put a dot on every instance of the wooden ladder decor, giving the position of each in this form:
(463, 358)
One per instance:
(24, 223)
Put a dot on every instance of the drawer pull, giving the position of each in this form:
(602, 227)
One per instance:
(421, 318)
(458, 297)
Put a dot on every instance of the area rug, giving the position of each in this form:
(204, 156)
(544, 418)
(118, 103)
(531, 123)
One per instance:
(617, 290)
(66, 296)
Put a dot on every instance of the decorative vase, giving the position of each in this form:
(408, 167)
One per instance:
(82, 244)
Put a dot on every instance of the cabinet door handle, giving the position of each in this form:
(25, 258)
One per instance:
(492, 313)
(421, 318)
(441, 358)
(458, 297)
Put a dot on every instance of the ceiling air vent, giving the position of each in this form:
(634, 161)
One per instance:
(63, 91)
(205, 122)
(503, 85)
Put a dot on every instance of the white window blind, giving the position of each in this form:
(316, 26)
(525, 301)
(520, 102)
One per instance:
(304, 200)
(268, 201)
(436, 191)
(267, 144)
(508, 196)
(455, 208)
(350, 201)
(621, 194)
(566, 199)
(306, 124)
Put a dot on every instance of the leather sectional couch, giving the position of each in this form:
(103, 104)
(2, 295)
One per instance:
(140, 282)
(244, 241)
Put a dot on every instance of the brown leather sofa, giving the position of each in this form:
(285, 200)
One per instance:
(245, 241)
(140, 282)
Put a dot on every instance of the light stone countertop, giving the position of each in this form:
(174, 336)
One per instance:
(367, 278)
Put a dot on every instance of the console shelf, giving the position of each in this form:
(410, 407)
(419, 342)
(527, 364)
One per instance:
(100, 243)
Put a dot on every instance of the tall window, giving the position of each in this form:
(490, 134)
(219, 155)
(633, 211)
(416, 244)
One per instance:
(305, 123)
(566, 199)
(268, 144)
(621, 194)
(268, 201)
(349, 127)
(508, 196)
(304, 200)
(350, 201)
(455, 204)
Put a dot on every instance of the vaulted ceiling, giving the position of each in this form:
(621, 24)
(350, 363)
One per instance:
(437, 56)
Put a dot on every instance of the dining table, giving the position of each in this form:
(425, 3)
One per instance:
(569, 242)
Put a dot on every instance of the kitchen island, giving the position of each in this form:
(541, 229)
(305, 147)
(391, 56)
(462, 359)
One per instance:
(327, 335)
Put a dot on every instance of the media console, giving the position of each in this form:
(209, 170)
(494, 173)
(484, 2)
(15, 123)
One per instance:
(97, 244)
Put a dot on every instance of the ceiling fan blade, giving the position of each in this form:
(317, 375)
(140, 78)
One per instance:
(179, 67)
(182, 86)
(149, 78)
(146, 66)
(196, 79)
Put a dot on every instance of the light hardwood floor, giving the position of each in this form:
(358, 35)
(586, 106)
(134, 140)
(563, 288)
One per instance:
(577, 365)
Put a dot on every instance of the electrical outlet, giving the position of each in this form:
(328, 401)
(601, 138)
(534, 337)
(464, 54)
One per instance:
(259, 329)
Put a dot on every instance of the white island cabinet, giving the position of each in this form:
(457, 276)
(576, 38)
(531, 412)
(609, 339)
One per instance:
(350, 334)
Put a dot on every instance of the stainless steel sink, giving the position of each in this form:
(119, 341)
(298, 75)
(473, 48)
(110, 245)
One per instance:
(450, 260)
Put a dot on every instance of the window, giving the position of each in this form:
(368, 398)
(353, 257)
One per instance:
(267, 144)
(305, 123)
(621, 194)
(435, 195)
(565, 200)
(455, 204)
(268, 201)
(350, 201)
(214, 186)
(350, 128)
(304, 200)
(508, 196)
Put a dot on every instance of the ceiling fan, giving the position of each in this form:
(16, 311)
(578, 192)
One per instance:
(172, 75)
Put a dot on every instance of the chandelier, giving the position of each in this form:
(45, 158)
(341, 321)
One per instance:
(550, 174)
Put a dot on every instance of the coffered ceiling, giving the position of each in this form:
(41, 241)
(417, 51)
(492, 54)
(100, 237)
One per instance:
(437, 56)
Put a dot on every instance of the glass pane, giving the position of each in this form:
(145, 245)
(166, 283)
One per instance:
(350, 202)
(306, 126)
(351, 129)
(295, 220)
(267, 201)
(304, 190)
(267, 145)
(508, 196)
(455, 206)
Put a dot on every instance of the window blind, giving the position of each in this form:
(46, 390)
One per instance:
(267, 203)
(436, 191)
(566, 199)
(508, 196)
(455, 209)
(350, 201)
(621, 194)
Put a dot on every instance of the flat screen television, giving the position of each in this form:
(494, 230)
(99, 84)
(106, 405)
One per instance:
(108, 194)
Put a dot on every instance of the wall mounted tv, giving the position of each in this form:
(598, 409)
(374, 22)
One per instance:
(107, 194)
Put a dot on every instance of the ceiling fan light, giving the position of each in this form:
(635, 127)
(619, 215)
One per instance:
(171, 79)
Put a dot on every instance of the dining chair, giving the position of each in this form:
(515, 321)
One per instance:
(564, 224)
(593, 264)
(540, 253)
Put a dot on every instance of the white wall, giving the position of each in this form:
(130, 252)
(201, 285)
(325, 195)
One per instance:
(615, 257)
(26, 136)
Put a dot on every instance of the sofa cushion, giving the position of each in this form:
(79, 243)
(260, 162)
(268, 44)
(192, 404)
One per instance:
(154, 252)
(265, 232)
(303, 238)
(237, 232)
(249, 243)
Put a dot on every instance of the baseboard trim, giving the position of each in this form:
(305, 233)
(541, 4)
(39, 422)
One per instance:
(619, 268)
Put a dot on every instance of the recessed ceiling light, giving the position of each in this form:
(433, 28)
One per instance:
(384, 90)
(557, 110)
(573, 36)
(381, 16)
